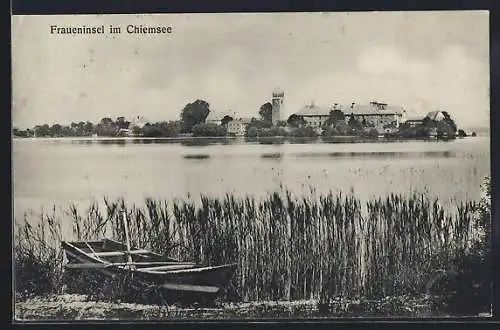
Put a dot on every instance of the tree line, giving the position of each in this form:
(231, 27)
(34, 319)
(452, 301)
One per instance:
(105, 127)
(193, 122)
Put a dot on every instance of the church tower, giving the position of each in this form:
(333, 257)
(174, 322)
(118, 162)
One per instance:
(278, 96)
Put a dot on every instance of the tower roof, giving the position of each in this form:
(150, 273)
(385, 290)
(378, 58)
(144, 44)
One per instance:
(278, 92)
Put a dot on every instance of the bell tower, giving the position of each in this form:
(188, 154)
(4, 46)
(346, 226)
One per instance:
(278, 97)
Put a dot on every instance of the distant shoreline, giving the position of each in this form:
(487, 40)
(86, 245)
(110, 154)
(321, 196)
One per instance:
(319, 139)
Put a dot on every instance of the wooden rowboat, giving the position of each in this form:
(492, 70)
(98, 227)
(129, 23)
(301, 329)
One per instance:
(176, 281)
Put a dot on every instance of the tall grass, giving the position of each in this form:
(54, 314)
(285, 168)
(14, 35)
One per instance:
(286, 247)
(38, 259)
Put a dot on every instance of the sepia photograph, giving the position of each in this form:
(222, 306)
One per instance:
(251, 166)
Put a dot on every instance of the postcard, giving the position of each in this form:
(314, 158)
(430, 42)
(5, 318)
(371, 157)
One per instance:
(242, 166)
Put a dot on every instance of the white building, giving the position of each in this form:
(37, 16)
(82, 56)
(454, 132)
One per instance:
(414, 121)
(238, 127)
(214, 118)
(137, 121)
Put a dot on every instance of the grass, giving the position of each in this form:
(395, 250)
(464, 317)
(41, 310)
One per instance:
(77, 307)
(287, 247)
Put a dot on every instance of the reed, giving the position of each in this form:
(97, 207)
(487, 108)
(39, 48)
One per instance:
(287, 247)
(38, 258)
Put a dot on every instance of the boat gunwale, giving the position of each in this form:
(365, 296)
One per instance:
(151, 270)
(143, 251)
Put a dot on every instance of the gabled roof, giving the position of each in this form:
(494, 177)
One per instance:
(362, 109)
(414, 118)
(434, 115)
(278, 92)
(212, 115)
(242, 120)
(217, 115)
(313, 110)
(357, 109)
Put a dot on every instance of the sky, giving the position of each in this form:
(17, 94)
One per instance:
(423, 61)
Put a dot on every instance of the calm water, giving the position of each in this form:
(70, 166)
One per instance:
(63, 171)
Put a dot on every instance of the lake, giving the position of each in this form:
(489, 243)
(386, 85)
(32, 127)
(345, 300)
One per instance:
(58, 172)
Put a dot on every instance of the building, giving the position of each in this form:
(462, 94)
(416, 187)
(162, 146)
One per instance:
(278, 106)
(417, 121)
(314, 115)
(214, 118)
(380, 116)
(433, 132)
(238, 127)
(414, 121)
(124, 132)
(137, 121)
(217, 117)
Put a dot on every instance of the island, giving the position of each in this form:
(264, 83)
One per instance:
(374, 120)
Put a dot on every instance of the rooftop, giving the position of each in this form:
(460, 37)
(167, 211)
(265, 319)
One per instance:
(357, 109)
(278, 92)
(217, 115)
(313, 110)
(214, 116)
(360, 109)
(242, 120)
(415, 118)
(435, 115)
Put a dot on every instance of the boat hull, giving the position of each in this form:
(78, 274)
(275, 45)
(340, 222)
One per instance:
(194, 284)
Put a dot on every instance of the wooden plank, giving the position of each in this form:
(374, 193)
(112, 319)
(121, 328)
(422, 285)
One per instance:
(120, 253)
(168, 267)
(91, 249)
(83, 242)
(203, 269)
(107, 265)
(191, 287)
(85, 265)
(159, 263)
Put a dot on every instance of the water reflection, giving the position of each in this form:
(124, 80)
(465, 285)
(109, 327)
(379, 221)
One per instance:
(383, 154)
(271, 141)
(197, 141)
(82, 141)
(276, 155)
(196, 156)
(304, 140)
(114, 142)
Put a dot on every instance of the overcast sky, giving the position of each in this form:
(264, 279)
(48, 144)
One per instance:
(422, 60)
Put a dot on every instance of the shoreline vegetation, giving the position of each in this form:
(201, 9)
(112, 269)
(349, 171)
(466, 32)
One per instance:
(79, 307)
(397, 255)
(204, 140)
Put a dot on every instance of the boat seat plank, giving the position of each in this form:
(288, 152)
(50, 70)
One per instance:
(168, 267)
(90, 248)
(120, 253)
(159, 265)
(85, 265)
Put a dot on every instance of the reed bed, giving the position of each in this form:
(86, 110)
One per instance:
(286, 247)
